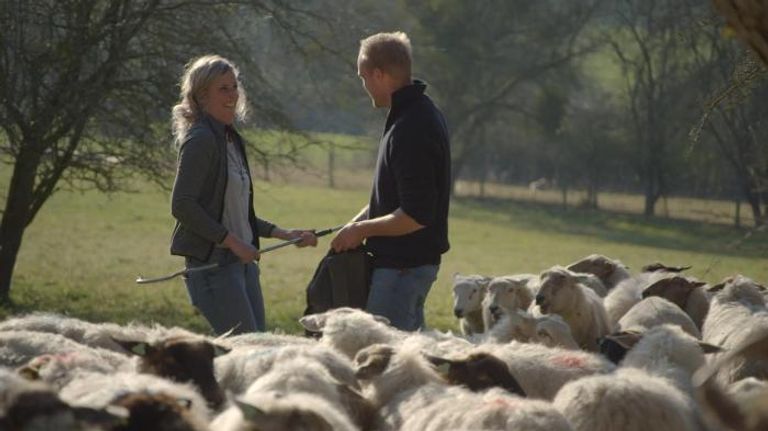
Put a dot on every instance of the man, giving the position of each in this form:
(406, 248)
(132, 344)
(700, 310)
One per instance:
(405, 224)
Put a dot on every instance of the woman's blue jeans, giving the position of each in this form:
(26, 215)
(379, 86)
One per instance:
(229, 296)
(399, 294)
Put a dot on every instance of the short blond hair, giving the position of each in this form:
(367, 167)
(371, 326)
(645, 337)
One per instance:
(389, 52)
(198, 75)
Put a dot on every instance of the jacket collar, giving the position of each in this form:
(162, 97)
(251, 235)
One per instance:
(218, 127)
(405, 95)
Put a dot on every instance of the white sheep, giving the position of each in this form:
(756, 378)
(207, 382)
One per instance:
(741, 405)
(412, 396)
(629, 399)
(19, 347)
(349, 330)
(493, 409)
(468, 294)
(263, 339)
(685, 292)
(98, 390)
(651, 390)
(57, 370)
(548, 329)
(625, 295)
(668, 351)
(280, 412)
(507, 294)
(541, 370)
(301, 375)
(737, 314)
(655, 311)
(100, 335)
(561, 293)
(31, 406)
(241, 367)
(610, 271)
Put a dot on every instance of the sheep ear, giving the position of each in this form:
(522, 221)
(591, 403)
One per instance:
(250, 412)
(29, 372)
(219, 350)
(710, 348)
(313, 322)
(626, 339)
(138, 348)
(717, 287)
(381, 319)
(442, 365)
(374, 365)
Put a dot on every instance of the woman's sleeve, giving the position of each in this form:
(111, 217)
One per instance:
(195, 158)
(264, 228)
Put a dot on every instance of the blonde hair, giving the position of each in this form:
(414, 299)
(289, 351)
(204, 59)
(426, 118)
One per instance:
(389, 52)
(198, 75)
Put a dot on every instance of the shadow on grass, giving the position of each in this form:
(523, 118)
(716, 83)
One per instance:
(658, 232)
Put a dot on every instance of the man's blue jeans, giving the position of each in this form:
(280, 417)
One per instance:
(399, 294)
(230, 296)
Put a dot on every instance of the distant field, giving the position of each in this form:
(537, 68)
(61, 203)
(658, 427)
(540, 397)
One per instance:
(84, 251)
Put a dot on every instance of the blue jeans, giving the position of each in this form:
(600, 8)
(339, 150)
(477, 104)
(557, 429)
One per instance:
(229, 296)
(399, 294)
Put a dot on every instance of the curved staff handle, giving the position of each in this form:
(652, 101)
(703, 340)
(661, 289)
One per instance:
(186, 271)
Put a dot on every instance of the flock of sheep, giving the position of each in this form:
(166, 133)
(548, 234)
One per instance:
(588, 347)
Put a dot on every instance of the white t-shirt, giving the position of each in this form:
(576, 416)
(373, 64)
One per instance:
(236, 197)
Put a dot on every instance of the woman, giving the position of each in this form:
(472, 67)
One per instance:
(212, 199)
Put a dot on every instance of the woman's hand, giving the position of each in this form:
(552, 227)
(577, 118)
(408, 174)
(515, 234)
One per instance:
(308, 237)
(245, 252)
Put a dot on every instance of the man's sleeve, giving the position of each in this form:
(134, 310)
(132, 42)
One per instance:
(414, 162)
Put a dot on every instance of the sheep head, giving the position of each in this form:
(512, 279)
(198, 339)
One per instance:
(506, 294)
(477, 372)
(597, 264)
(615, 346)
(552, 331)
(468, 293)
(740, 288)
(181, 359)
(317, 322)
(556, 289)
(675, 288)
(156, 411)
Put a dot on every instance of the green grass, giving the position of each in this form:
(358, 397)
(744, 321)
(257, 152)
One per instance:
(84, 251)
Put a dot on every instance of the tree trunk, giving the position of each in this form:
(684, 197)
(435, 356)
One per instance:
(754, 203)
(456, 169)
(592, 194)
(16, 218)
(651, 196)
(331, 165)
(564, 196)
(737, 217)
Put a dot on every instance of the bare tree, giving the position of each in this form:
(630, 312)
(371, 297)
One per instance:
(651, 41)
(86, 87)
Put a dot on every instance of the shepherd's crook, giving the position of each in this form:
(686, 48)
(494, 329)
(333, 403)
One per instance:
(185, 271)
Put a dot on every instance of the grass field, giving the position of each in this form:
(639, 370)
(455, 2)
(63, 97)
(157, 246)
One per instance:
(84, 251)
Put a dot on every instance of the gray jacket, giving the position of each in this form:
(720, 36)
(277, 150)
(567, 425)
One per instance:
(197, 201)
